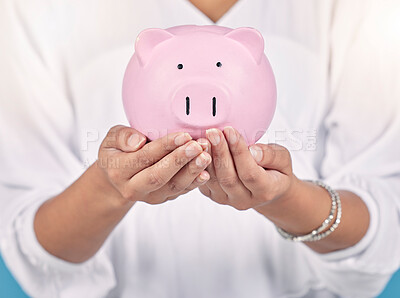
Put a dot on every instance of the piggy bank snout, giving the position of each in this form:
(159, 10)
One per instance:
(201, 105)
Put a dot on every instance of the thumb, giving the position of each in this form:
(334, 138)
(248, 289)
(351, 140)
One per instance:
(273, 157)
(124, 138)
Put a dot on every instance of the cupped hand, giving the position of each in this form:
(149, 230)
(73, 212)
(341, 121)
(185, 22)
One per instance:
(245, 177)
(152, 172)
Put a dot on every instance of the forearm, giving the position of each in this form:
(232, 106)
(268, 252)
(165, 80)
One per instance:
(306, 206)
(75, 224)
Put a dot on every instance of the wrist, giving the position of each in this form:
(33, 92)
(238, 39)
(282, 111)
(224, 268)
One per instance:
(74, 224)
(299, 210)
(105, 189)
(283, 200)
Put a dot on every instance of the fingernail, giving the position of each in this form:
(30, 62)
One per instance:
(213, 136)
(203, 177)
(257, 153)
(231, 135)
(203, 143)
(202, 160)
(182, 139)
(134, 140)
(193, 149)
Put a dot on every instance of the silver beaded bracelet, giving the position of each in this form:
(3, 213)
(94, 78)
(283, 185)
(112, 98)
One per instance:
(316, 234)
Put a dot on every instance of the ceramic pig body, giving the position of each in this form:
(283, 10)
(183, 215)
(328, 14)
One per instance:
(191, 78)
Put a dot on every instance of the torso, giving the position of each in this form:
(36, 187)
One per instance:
(192, 247)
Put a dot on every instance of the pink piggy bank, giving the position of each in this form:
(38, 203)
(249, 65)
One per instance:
(191, 78)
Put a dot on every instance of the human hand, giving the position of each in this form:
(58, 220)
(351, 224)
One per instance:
(155, 172)
(245, 178)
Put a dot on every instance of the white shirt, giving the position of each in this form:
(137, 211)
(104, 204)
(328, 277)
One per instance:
(337, 70)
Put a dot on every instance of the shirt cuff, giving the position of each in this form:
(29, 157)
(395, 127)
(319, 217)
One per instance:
(40, 273)
(364, 269)
(34, 251)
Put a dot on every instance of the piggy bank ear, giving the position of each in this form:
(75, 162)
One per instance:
(251, 39)
(147, 41)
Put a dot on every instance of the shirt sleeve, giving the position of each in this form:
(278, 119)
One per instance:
(38, 153)
(362, 149)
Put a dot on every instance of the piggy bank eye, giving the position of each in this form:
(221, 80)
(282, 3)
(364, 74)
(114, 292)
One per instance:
(219, 64)
(180, 66)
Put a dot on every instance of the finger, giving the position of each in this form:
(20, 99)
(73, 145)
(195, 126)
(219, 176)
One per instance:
(215, 192)
(205, 190)
(206, 145)
(120, 142)
(249, 172)
(123, 138)
(200, 180)
(224, 166)
(154, 151)
(157, 175)
(124, 165)
(186, 176)
(212, 183)
(273, 157)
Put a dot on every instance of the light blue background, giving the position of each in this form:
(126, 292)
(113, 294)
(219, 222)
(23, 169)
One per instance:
(10, 289)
